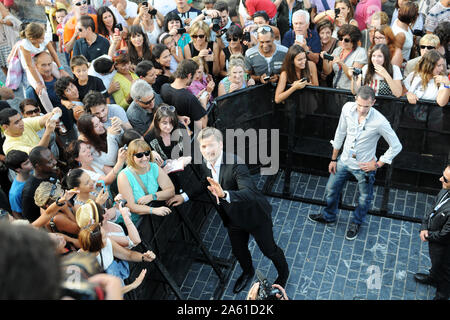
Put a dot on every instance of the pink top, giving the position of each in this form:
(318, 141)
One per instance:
(364, 10)
(197, 86)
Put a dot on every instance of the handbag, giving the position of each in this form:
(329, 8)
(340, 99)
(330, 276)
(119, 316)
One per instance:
(15, 72)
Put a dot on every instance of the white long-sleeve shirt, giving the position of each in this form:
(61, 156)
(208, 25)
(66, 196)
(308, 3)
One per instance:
(363, 137)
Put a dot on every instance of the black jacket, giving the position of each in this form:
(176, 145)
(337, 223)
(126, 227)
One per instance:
(249, 208)
(438, 225)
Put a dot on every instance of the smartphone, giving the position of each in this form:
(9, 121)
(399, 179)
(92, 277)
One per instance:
(299, 38)
(327, 56)
(304, 79)
(267, 78)
(55, 116)
(181, 30)
(125, 147)
(119, 26)
(337, 11)
(247, 37)
(102, 183)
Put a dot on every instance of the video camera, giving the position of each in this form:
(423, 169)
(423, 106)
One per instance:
(266, 291)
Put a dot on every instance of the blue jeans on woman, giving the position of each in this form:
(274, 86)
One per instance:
(334, 188)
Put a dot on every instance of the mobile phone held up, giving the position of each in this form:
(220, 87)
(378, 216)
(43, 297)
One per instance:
(299, 38)
(119, 27)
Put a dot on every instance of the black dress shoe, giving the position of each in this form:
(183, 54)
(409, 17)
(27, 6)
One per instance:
(242, 281)
(424, 279)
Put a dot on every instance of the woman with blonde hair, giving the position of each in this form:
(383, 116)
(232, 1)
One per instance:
(201, 44)
(428, 81)
(237, 77)
(32, 44)
(139, 182)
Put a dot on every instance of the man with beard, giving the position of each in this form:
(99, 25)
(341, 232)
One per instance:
(265, 59)
(191, 111)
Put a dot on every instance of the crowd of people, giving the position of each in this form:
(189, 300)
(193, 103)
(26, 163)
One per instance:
(90, 150)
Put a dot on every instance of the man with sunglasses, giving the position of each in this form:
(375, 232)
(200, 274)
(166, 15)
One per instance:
(30, 109)
(79, 8)
(141, 110)
(90, 44)
(435, 230)
(265, 59)
(427, 42)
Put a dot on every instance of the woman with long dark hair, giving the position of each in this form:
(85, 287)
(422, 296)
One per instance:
(296, 71)
(138, 46)
(107, 23)
(104, 146)
(380, 74)
(384, 35)
(161, 60)
(174, 26)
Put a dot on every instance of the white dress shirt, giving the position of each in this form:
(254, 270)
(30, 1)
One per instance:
(363, 137)
(215, 171)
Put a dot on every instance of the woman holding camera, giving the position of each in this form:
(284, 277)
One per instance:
(235, 46)
(296, 71)
(325, 30)
(347, 55)
(108, 27)
(139, 182)
(342, 14)
(173, 25)
(380, 74)
(150, 21)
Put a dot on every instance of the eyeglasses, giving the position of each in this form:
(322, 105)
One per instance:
(264, 29)
(167, 108)
(379, 38)
(30, 112)
(234, 39)
(344, 39)
(147, 102)
(427, 47)
(141, 154)
(79, 4)
(200, 36)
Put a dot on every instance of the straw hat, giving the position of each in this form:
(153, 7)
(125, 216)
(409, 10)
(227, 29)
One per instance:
(87, 214)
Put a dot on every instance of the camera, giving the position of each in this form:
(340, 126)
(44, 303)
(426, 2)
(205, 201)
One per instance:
(266, 78)
(327, 56)
(123, 202)
(77, 268)
(357, 71)
(418, 33)
(119, 26)
(181, 30)
(337, 11)
(247, 36)
(266, 291)
(216, 24)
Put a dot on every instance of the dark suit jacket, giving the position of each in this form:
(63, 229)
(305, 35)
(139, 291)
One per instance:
(438, 226)
(249, 208)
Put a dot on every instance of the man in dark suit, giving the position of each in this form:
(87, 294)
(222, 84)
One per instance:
(243, 209)
(436, 230)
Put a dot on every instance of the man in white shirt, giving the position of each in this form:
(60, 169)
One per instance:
(361, 126)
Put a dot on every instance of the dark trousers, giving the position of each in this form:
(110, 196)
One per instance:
(264, 239)
(440, 268)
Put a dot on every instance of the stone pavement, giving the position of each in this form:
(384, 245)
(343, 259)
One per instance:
(378, 265)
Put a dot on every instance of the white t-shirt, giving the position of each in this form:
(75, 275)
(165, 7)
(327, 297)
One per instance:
(430, 93)
(163, 6)
(106, 78)
(409, 40)
(397, 73)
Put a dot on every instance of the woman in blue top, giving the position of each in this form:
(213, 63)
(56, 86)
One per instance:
(173, 25)
(237, 77)
(142, 170)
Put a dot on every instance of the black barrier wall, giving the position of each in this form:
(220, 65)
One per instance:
(307, 121)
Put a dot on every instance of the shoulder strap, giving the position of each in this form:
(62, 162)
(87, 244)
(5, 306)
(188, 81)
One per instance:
(325, 5)
(341, 70)
(139, 180)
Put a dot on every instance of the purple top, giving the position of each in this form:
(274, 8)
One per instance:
(319, 5)
(197, 86)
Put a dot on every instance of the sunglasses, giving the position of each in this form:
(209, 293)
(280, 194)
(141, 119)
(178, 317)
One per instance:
(167, 108)
(148, 102)
(345, 40)
(30, 112)
(234, 39)
(141, 154)
(200, 36)
(427, 47)
(79, 4)
(264, 29)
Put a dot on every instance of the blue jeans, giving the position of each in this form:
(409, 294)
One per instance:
(334, 188)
